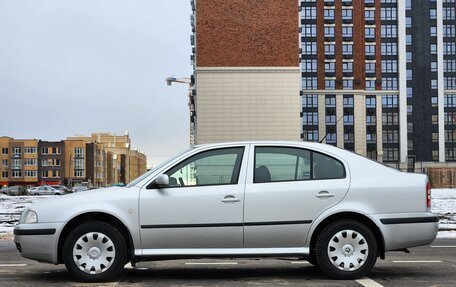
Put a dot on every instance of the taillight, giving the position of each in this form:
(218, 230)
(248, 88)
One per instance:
(428, 195)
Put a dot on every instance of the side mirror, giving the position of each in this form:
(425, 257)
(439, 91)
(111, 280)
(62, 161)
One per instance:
(162, 180)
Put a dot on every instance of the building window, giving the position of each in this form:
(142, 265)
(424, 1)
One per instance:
(347, 49)
(309, 30)
(16, 164)
(16, 173)
(371, 137)
(348, 119)
(389, 66)
(388, 13)
(310, 101)
(369, 15)
(370, 102)
(390, 101)
(30, 173)
(370, 84)
(330, 67)
(79, 163)
(17, 152)
(449, 31)
(348, 101)
(310, 48)
(329, 14)
(347, 67)
(4, 162)
(435, 155)
(347, 14)
(389, 48)
(433, 31)
(78, 173)
(369, 32)
(409, 75)
(389, 31)
(434, 102)
(309, 83)
(434, 84)
(370, 67)
(4, 174)
(391, 154)
(433, 49)
(4, 150)
(449, 48)
(310, 66)
(330, 101)
(329, 49)
(449, 101)
(370, 50)
(311, 135)
(329, 31)
(309, 13)
(449, 13)
(389, 84)
(390, 118)
(347, 31)
(330, 84)
(449, 66)
(30, 161)
(347, 84)
(450, 83)
(78, 152)
(433, 13)
(310, 118)
(30, 150)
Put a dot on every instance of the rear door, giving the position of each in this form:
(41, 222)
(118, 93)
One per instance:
(286, 189)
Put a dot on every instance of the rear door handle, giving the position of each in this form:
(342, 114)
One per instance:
(325, 194)
(230, 198)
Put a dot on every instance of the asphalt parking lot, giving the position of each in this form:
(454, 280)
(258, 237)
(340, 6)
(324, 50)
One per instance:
(433, 265)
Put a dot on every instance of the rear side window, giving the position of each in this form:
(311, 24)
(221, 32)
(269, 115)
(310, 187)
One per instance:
(275, 164)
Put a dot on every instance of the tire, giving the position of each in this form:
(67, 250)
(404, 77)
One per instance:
(108, 252)
(346, 249)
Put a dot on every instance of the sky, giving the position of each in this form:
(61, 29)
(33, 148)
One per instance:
(75, 67)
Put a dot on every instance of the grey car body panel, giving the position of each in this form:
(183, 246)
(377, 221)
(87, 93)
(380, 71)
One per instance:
(197, 225)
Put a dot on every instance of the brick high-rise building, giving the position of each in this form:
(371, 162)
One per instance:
(246, 67)
(379, 78)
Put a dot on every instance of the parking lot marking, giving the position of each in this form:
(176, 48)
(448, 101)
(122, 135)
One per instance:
(367, 282)
(443, 246)
(13, 265)
(211, 263)
(417, 261)
(299, 262)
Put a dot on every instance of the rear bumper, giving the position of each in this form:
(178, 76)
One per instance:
(38, 241)
(408, 230)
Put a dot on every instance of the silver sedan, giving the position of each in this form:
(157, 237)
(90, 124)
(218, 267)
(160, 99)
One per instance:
(338, 210)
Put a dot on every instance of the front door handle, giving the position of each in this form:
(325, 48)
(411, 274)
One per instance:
(325, 194)
(230, 198)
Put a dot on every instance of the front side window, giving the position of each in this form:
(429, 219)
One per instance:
(214, 167)
(275, 164)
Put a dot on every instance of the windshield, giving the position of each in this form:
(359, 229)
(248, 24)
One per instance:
(139, 179)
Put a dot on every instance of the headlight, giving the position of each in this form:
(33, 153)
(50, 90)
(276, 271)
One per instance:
(28, 216)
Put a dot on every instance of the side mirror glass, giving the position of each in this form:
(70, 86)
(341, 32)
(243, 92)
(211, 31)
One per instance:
(162, 180)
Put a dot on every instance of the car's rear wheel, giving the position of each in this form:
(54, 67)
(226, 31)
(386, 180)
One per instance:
(95, 251)
(346, 249)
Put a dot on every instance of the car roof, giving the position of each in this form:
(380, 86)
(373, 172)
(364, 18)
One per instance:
(321, 146)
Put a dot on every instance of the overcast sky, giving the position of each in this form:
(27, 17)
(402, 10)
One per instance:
(83, 66)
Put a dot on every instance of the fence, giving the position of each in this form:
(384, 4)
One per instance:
(442, 177)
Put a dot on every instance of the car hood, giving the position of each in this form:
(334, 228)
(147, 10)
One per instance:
(106, 200)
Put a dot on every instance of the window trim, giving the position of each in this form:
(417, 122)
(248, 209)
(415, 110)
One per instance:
(312, 151)
(238, 164)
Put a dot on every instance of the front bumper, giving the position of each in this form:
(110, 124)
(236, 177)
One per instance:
(38, 241)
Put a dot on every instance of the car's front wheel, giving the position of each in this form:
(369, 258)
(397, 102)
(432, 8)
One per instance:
(95, 251)
(346, 249)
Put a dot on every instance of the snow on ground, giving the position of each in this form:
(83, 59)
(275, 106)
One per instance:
(443, 204)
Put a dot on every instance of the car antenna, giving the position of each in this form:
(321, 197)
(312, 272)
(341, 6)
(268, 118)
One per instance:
(328, 133)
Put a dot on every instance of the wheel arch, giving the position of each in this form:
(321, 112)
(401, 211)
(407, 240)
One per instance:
(352, 216)
(95, 216)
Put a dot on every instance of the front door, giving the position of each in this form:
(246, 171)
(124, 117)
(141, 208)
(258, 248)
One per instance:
(286, 190)
(203, 205)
